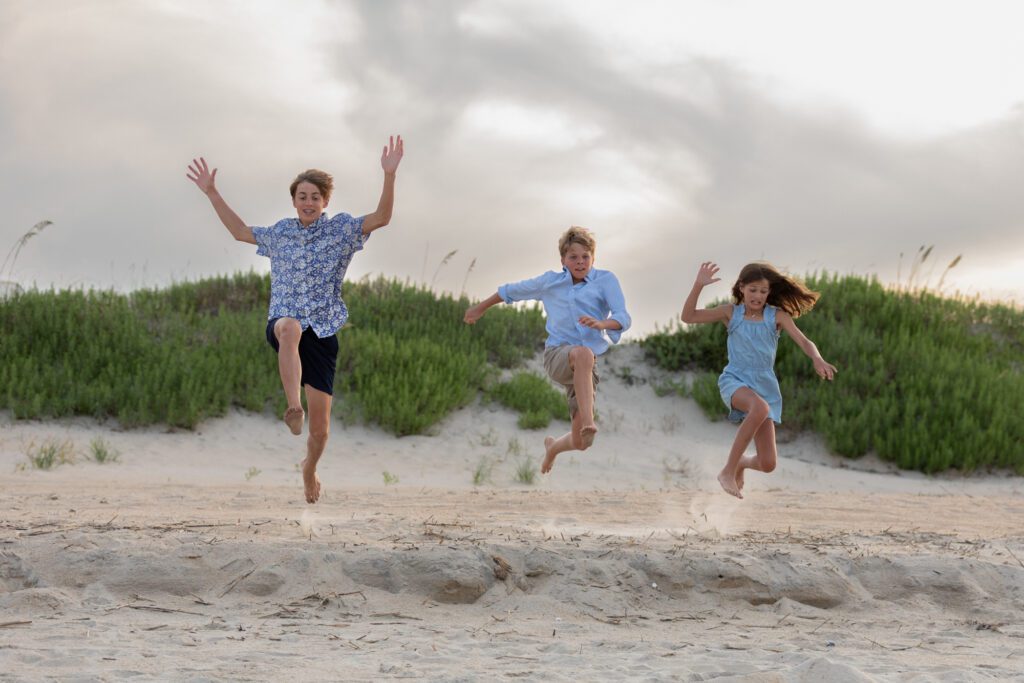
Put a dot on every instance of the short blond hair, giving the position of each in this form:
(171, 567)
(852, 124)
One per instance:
(323, 180)
(577, 235)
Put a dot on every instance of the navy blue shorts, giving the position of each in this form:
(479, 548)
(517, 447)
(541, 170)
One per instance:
(319, 357)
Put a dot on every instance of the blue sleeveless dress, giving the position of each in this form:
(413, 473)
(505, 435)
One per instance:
(752, 345)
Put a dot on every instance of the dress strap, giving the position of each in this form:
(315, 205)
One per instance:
(737, 316)
(769, 317)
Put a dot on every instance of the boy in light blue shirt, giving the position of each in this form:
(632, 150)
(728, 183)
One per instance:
(586, 311)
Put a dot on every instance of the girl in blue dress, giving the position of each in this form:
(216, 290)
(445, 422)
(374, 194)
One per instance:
(766, 302)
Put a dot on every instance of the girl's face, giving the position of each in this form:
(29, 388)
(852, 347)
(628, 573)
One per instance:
(308, 203)
(755, 294)
(578, 260)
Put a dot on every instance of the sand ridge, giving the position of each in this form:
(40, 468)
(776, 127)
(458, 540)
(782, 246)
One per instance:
(450, 585)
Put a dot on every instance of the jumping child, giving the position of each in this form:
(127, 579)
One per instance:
(766, 302)
(585, 309)
(308, 258)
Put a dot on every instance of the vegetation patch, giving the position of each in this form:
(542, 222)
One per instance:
(533, 397)
(925, 381)
(189, 352)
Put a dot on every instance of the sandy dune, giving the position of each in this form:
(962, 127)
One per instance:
(627, 563)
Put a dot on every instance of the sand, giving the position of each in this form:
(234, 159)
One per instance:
(194, 557)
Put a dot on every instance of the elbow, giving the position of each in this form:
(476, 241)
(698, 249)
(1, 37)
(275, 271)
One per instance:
(686, 317)
(374, 222)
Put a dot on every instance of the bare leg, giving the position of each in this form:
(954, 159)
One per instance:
(288, 333)
(319, 405)
(766, 457)
(581, 359)
(757, 412)
(570, 441)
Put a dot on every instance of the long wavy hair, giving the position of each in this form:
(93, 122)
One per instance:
(784, 291)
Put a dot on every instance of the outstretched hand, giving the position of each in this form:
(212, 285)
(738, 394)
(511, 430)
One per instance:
(824, 369)
(706, 274)
(473, 313)
(199, 173)
(392, 154)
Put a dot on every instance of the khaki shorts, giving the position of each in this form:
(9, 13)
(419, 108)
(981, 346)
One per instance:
(556, 364)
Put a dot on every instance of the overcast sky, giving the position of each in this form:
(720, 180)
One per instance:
(817, 135)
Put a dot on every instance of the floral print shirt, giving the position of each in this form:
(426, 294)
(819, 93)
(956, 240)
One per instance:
(307, 267)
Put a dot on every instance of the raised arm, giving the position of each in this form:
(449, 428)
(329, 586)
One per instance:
(200, 174)
(824, 369)
(691, 314)
(474, 313)
(389, 161)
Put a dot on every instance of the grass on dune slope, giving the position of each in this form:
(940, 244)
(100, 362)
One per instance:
(927, 382)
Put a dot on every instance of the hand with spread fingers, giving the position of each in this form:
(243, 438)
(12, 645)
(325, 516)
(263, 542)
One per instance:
(392, 154)
(200, 174)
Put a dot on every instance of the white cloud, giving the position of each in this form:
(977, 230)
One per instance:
(527, 124)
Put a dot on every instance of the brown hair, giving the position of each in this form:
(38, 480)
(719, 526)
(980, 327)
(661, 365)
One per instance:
(323, 180)
(784, 291)
(576, 235)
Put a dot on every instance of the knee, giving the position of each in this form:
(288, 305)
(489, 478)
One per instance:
(759, 410)
(319, 433)
(582, 358)
(768, 465)
(288, 331)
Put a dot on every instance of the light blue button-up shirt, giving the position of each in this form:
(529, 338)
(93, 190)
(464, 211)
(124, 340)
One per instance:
(598, 296)
(307, 267)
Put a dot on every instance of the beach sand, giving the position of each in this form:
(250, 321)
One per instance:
(194, 557)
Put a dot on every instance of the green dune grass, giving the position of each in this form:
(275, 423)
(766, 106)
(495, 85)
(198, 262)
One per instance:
(927, 382)
(182, 354)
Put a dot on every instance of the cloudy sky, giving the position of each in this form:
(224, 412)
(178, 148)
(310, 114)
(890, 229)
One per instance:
(817, 135)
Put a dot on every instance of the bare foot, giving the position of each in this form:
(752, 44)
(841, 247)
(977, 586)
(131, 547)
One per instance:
(729, 484)
(587, 434)
(549, 457)
(294, 417)
(311, 482)
(739, 478)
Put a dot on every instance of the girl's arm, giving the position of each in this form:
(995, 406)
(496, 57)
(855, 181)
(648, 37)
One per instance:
(199, 173)
(691, 314)
(824, 369)
(389, 162)
(474, 313)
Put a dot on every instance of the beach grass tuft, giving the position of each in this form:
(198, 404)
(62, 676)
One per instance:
(526, 471)
(102, 452)
(49, 453)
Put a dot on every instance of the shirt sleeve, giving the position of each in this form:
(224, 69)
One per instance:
(352, 230)
(617, 304)
(525, 290)
(264, 240)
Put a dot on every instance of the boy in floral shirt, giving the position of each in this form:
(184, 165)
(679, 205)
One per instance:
(308, 258)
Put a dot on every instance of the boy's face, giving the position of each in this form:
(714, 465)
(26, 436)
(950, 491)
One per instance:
(308, 203)
(578, 260)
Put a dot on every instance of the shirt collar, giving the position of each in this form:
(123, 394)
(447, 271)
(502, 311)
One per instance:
(588, 278)
(315, 225)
